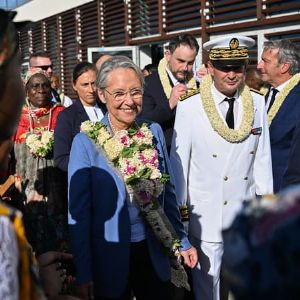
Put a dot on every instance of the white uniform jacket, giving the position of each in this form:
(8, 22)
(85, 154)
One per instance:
(214, 176)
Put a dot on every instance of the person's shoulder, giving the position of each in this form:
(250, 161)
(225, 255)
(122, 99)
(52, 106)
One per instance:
(152, 78)
(153, 126)
(256, 91)
(189, 95)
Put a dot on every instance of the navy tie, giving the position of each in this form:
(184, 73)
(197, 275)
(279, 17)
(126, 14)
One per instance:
(274, 92)
(229, 114)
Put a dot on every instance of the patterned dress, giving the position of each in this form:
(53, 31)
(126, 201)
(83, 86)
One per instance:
(44, 187)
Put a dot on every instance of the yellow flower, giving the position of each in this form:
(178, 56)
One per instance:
(281, 97)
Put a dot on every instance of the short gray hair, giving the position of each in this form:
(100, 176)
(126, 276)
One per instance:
(117, 61)
(287, 53)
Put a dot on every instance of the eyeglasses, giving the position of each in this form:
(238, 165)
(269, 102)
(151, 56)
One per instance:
(44, 68)
(135, 94)
(42, 86)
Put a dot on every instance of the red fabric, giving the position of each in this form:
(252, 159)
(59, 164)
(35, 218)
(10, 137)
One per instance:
(24, 123)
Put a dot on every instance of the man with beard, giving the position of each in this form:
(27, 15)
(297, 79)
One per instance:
(174, 78)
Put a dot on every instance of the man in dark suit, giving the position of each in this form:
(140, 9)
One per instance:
(279, 66)
(173, 79)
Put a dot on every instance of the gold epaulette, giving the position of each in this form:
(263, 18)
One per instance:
(256, 91)
(189, 94)
(184, 213)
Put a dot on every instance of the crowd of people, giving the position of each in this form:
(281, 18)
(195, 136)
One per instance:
(126, 191)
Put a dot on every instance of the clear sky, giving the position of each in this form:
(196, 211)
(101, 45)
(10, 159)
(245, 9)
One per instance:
(11, 4)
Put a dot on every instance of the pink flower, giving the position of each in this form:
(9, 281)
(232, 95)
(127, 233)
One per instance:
(125, 140)
(129, 169)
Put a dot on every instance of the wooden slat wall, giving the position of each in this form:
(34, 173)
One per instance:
(144, 18)
(69, 50)
(148, 21)
(293, 36)
(37, 37)
(114, 22)
(277, 7)
(182, 15)
(52, 43)
(223, 11)
(89, 27)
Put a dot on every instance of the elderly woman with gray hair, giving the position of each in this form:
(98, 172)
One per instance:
(122, 206)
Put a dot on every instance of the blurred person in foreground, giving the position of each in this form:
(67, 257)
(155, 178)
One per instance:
(87, 107)
(220, 156)
(262, 248)
(18, 269)
(173, 79)
(124, 223)
(280, 67)
(43, 192)
(55, 85)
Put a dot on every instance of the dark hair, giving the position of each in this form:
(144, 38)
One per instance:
(150, 68)
(82, 68)
(39, 54)
(186, 40)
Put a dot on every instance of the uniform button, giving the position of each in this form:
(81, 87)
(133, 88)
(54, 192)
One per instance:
(251, 152)
(245, 178)
(225, 202)
(214, 155)
(225, 178)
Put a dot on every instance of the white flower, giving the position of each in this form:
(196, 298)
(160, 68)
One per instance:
(87, 126)
(47, 137)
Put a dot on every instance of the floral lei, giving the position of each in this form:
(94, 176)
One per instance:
(281, 97)
(39, 140)
(230, 135)
(134, 156)
(163, 75)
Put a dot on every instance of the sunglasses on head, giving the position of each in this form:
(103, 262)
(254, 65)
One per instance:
(44, 68)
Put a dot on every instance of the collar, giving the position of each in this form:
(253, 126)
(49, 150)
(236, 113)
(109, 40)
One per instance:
(281, 87)
(219, 97)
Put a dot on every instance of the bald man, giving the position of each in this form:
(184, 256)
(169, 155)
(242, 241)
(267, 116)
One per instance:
(101, 60)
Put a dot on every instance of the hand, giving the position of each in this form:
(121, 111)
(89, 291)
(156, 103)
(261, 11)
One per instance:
(51, 257)
(190, 257)
(85, 291)
(202, 71)
(177, 91)
(53, 275)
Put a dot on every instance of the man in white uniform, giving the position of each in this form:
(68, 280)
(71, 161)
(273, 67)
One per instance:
(220, 155)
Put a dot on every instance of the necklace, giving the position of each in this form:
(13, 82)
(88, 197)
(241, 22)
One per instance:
(282, 96)
(217, 123)
(38, 113)
(113, 129)
(163, 76)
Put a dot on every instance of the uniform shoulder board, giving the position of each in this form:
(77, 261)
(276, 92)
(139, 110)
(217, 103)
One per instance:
(256, 91)
(189, 94)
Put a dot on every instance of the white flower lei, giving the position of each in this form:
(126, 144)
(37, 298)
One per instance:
(163, 75)
(230, 135)
(281, 97)
(134, 156)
